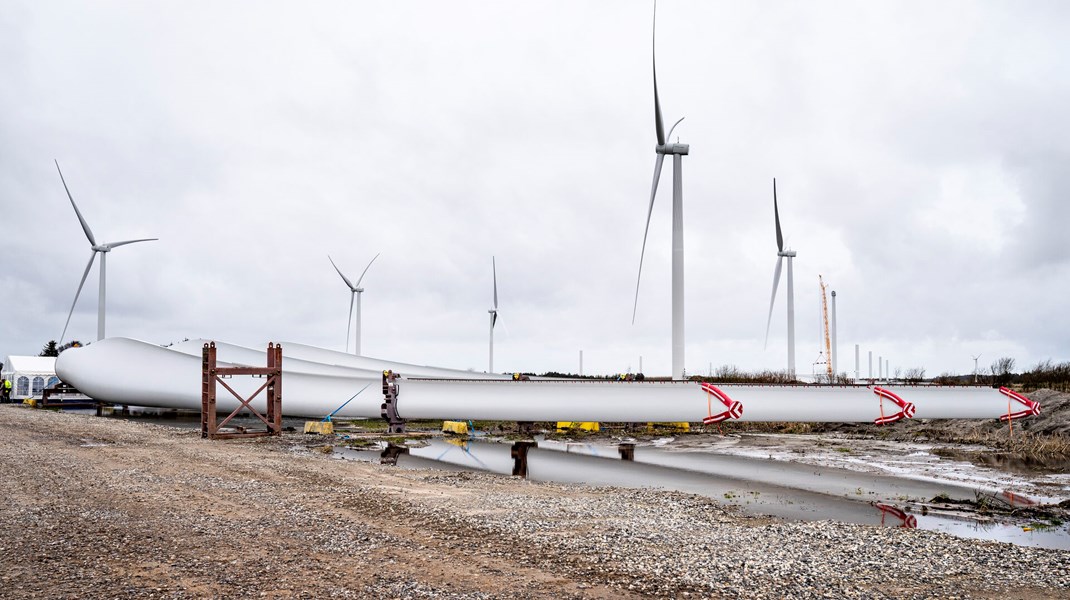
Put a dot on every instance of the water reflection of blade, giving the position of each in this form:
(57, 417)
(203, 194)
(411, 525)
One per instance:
(753, 497)
(482, 456)
(826, 480)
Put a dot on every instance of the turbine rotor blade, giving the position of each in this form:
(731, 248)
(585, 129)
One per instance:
(654, 59)
(653, 192)
(494, 269)
(493, 319)
(366, 269)
(673, 128)
(81, 219)
(117, 244)
(776, 215)
(344, 278)
(92, 257)
(772, 297)
(349, 323)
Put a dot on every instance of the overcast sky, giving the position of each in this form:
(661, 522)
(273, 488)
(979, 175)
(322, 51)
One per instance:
(921, 150)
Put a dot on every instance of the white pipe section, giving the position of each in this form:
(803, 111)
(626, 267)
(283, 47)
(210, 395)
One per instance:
(678, 267)
(127, 371)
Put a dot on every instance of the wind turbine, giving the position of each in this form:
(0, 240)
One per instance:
(103, 250)
(677, 151)
(355, 292)
(781, 255)
(493, 314)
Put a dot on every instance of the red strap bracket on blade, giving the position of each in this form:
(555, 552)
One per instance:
(1032, 409)
(907, 411)
(735, 408)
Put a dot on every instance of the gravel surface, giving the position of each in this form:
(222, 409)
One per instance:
(101, 508)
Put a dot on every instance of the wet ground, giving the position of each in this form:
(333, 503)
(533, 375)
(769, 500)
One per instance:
(961, 490)
(807, 478)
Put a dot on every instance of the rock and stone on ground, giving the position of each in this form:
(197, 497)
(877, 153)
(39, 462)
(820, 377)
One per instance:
(101, 508)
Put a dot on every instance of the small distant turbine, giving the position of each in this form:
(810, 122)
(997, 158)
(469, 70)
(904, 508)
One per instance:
(103, 250)
(355, 292)
(493, 314)
(781, 255)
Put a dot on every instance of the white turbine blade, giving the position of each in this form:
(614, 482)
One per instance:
(89, 265)
(776, 217)
(81, 219)
(650, 211)
(493, 319)
(494, 270)
(349, 323)
(772, 297)
(673, 128)
(344, 278)
(658, 127)
(366, 269)
(117, 244)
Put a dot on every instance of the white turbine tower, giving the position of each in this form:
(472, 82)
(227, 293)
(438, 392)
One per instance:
(781, 255)
(493, 314)
(355, 294)
(103, 250)
(677, 151)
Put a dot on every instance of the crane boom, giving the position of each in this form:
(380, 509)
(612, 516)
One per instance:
(825, 317)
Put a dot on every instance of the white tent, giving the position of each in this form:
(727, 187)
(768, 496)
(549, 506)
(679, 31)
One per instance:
(30, 375)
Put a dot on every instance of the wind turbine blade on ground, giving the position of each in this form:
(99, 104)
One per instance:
(772, 297)
(344, 278)
(117, 244)
(365, 269)
(81, 219)
(88, 266)
(776, 216)
(653, 192)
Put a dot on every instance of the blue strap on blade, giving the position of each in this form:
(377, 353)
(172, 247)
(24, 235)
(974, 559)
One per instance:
(327, 419)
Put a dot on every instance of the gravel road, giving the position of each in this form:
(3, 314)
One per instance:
(103, 508)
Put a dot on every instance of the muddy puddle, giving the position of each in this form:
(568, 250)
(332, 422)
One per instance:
(750, 477)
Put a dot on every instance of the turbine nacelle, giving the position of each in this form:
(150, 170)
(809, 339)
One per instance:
(681, 149)
(787, 253)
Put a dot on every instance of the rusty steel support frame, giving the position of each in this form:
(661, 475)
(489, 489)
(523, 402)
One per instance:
(394, 423)
(212, 374)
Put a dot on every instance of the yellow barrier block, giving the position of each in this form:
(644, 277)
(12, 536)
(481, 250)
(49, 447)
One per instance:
(320, 427)
(577, 425)
(458, 427)
(670, 426)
